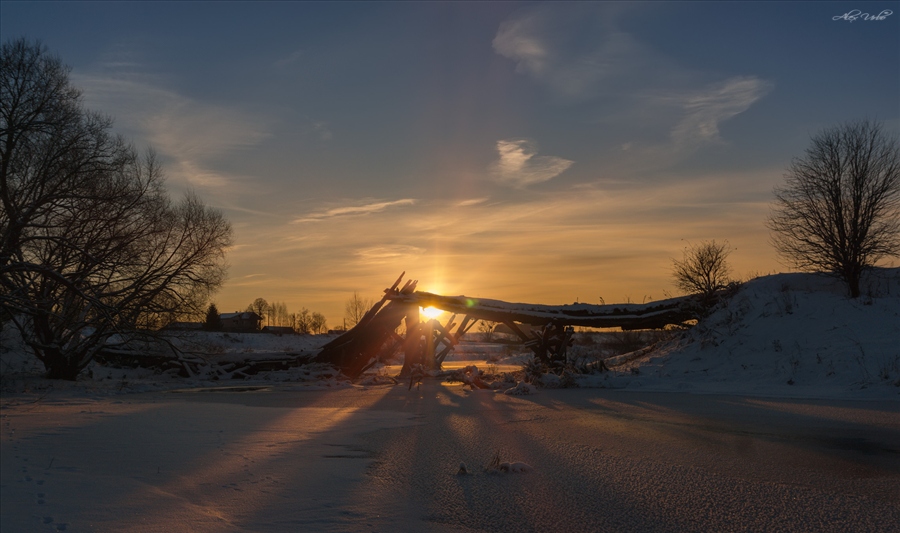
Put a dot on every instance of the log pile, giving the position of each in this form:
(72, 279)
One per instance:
(190, 365)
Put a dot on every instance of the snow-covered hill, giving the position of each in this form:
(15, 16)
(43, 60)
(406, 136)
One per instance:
(785, 335)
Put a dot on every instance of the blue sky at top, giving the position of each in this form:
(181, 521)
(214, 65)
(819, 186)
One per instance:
(531, 151)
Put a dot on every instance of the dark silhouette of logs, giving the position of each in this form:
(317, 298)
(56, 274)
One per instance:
(360, 347)
(652, 315)
(374, 338)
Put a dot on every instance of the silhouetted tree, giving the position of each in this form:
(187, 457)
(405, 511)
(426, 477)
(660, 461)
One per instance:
(839, 211)
(302, 321)
(259, 306)
(703, 268)
(486, 327)
(278, 314)
(317, 323)
(213, 321)
(356, 308)
(91, 245)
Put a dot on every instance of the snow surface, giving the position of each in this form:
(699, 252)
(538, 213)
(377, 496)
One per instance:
(786, 335)
(76, 455)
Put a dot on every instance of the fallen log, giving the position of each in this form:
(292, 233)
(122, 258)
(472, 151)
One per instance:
(653, 315)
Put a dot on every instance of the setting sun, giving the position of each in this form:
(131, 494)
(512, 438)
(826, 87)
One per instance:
(430, 312)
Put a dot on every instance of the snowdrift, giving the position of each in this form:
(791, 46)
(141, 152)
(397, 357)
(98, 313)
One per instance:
(785, 335)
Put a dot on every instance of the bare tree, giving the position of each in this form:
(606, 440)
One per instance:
(486, 327)
(839, 211)
(303, 321)
(259, 306)
(356, 308)
(278, 314)
(90, 243)
(703, 268)
(317, 323)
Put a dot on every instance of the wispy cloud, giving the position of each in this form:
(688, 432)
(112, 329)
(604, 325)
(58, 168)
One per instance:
(289, 59)
(389, 253)
(706, 109)
(519, 39)
(322, 130)
(694, 121)
(577, 51)
(472, 201)
(518, 165)
(583, 57)
(188, 133)
(365, 209)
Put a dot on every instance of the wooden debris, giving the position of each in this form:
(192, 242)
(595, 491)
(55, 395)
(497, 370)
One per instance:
(428, 344)
(362, 345)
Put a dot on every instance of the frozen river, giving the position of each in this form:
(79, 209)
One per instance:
(386, 459)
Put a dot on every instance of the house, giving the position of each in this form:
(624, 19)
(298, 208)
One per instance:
(246, 321)
(279, 330)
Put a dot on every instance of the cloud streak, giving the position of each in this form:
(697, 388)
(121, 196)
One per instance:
(388, 254)
(365, 209)
(518, 165)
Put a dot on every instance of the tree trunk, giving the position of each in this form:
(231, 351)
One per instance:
(59, 366)
(853, 284)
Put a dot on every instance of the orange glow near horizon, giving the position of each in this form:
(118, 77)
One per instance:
(586, 244)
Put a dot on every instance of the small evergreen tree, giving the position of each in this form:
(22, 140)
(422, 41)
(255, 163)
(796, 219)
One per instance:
(213, 321)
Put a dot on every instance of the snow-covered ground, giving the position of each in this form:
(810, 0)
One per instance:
(788, 335)
(305, 450)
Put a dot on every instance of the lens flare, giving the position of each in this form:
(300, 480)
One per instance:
(431, 312)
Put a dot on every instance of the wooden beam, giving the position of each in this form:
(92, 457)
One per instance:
(652, 315)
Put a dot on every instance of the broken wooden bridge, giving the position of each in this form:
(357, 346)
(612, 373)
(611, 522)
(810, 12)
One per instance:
(545, 329)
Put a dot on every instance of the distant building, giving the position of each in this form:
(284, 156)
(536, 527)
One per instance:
(246, 321)
(279, 330)
(183, 326)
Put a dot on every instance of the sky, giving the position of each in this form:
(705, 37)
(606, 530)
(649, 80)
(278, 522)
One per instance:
(523, 151)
